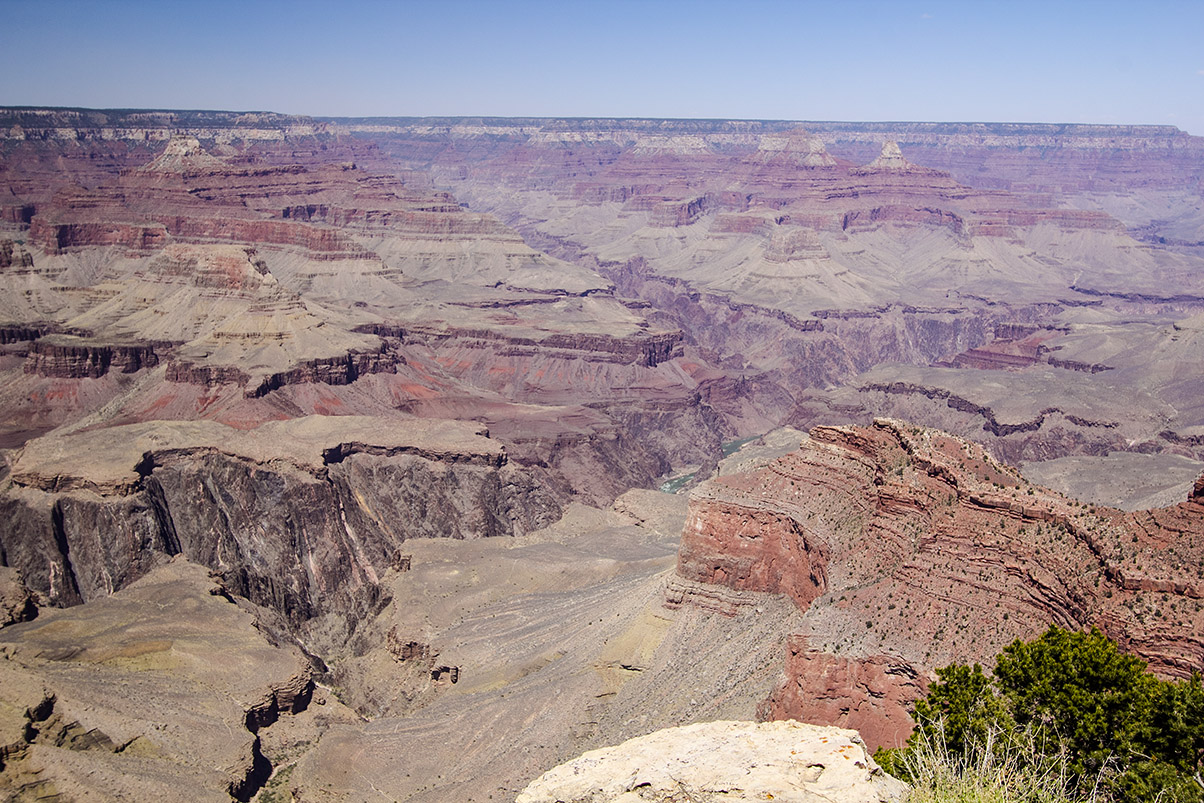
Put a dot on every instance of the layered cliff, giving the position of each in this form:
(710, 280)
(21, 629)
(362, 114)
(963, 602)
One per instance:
(908, 549)
(303, 516)
(206, 278)
(77, 359)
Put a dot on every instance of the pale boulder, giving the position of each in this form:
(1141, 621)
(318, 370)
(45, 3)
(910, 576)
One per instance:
(724, 761)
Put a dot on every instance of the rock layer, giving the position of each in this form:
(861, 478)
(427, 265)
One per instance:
(111, 702)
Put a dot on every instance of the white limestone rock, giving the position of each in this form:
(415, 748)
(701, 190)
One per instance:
(724, 761)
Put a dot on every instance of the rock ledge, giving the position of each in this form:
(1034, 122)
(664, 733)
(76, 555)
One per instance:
(728, 761)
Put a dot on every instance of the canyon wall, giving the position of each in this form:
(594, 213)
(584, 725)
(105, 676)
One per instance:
(307, 533)
(907, 549)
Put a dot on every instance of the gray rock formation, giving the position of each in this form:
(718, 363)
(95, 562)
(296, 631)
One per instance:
(302, 516)
(162, 691)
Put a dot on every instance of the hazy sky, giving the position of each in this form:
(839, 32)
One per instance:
(1050, 61)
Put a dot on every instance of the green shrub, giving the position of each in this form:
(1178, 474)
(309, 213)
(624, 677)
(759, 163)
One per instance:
(960, 710)
(1069, 706)
(1077, 690)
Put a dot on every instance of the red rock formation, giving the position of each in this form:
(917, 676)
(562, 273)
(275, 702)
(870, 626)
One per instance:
(872, 695)
(55, 238)
(1018, 346)
(966, 556)
(996, 358)
(749, 549)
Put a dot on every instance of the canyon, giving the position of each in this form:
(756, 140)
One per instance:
(384, 404)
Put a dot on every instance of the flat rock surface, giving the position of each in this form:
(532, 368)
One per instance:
(723, 761)
(1125, 480)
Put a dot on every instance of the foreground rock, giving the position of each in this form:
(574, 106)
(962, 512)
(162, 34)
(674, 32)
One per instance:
(723, 761)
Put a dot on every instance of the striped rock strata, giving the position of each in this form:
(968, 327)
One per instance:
(909, 549)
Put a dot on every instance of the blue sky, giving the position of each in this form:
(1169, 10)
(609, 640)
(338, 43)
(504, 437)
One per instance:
(1022, 61)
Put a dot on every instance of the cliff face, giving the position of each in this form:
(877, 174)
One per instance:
(756, 547)
(69, 360)
(873, 694)
(908, 549)
(305, 534)
(341, 370)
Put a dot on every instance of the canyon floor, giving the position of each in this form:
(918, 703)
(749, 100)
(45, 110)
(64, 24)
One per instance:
(496, 660)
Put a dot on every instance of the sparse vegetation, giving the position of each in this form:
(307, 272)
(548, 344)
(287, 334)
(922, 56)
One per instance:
(277, 788)
(994, 774)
